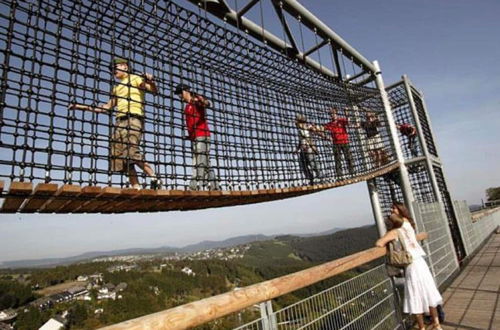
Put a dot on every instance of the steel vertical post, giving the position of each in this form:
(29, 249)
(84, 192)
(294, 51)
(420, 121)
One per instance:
(405, 180)
(421, 136)
(377, 210)
(429, 158)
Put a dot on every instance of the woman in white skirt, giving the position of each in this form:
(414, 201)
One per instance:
(421, 293)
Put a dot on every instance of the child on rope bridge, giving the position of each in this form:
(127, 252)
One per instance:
(374, 141)
(199, 135)
(128, 101)
(410, 132)
(307, 149)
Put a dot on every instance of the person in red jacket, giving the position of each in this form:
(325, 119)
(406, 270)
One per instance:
(199, 135)
(410, 132)
(340, 138)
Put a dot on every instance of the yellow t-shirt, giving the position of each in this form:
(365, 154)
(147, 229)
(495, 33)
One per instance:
(129, 97)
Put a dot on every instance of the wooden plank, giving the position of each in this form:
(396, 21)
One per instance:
(127, 195)
(18, 192)
(107, 197)
(62, 197)
(146, 197)
(87, 193)
(41, 195)
(172, 200)
(149, 200)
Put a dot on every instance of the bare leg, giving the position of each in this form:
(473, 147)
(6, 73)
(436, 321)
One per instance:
(376, 158)
(147, 168)
(435, 318)
(132, 175)
(420, 321)
(373, 155)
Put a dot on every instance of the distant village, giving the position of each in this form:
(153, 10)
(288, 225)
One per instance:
(85, 284)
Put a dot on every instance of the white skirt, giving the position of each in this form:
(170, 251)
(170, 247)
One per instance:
(420, 288)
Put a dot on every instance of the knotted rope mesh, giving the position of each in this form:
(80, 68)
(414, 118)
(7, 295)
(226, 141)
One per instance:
(56, 53)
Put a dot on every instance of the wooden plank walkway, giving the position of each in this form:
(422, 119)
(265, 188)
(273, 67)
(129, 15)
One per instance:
(50, 198)
(472, 300)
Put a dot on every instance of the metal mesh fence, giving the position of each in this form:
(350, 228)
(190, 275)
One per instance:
(366, 301)
(474, 232)
(424, 122)
(57, 70)
(429, 217)
(450, 213)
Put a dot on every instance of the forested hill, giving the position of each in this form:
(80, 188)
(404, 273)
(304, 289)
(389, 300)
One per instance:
(156, 284)
(329, 247)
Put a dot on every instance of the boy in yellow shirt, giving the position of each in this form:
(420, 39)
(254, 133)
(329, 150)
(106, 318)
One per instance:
(128, 100)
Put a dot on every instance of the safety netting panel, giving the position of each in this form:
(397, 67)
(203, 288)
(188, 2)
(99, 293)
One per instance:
(424, 123)
(421, 183)
(389, 191)
(256, 119)
(450, 213)
(405, 121)
(441, 257)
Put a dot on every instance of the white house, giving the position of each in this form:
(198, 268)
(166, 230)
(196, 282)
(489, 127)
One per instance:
(52, 324)
(188, 271)
(108, 295)
(7, 314)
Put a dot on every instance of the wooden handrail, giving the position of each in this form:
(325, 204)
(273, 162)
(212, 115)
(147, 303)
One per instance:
(480, 214)
(205, 310)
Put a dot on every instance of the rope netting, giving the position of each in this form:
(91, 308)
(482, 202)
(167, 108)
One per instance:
(405, 122)
(268, 125)
(389, 185)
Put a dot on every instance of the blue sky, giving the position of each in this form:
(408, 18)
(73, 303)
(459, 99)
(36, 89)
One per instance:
(449, 49)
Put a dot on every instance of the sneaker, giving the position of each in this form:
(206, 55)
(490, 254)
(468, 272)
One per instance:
(156, 184)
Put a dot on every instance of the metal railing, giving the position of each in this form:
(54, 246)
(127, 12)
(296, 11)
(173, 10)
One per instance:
(430, 217)
(476, 228)
(366, 301)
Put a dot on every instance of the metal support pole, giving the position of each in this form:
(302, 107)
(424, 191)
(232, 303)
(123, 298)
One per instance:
(405, 180)
(444, 175)
(263, 316)
(423, 143)
(311, 21)
(273, 324)
(222, 10)
(428, 159)
(377, 210)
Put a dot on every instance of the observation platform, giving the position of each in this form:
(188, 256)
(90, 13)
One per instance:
(24, 197)
(472, 301)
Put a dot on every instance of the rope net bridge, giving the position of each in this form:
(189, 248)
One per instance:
(88, 100)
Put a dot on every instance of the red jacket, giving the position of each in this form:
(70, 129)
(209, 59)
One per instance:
(338, 128)
(196, 121)
(407, 129)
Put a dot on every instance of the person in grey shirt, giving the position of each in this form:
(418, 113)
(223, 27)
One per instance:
(307, 149)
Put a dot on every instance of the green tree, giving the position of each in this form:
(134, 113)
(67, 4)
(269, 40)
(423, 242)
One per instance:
(77, 315)
(13, 294)
(32, 319)
(493, 193)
